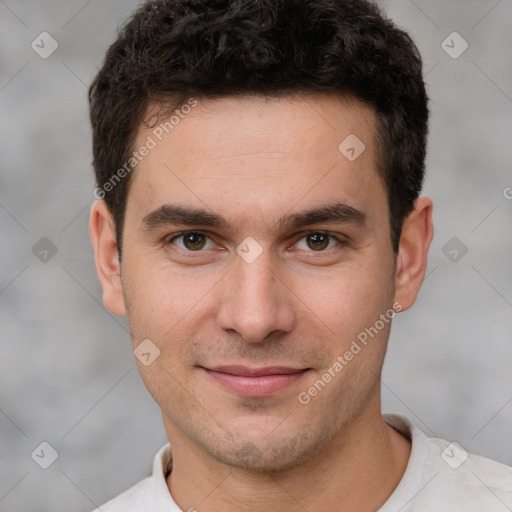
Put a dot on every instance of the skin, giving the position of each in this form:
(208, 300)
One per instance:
(253, 160)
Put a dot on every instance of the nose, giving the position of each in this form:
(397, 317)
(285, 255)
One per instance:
(256, 301)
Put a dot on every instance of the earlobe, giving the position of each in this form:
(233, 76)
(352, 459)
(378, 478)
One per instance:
(102, 231)
(417, 233)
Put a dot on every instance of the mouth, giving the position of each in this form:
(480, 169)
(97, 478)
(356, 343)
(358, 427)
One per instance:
(255, 382)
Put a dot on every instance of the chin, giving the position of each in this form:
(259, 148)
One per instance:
(263, 449)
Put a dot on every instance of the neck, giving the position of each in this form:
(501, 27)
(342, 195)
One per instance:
(358, 470)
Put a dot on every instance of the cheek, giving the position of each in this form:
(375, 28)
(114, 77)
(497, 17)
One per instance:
(346, 300)
(155, 292)
(163, 304)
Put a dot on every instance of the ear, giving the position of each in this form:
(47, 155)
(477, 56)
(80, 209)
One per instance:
(101, 228)
(417, 233)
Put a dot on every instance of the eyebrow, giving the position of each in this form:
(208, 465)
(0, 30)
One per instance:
(337, 213)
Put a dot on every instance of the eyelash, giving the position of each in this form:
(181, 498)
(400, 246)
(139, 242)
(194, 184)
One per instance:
(341, 241)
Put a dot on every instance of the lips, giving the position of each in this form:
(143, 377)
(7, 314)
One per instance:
(255, 382)
(256, 372)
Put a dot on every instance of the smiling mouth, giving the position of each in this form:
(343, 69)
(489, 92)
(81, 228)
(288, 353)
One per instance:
(255, 382)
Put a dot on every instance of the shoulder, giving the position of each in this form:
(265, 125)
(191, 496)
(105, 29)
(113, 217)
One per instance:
(443, 476)
(150, 494)
(135, 499)
(466, 481)
(457, 467)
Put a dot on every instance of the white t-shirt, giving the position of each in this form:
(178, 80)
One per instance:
(440, 477)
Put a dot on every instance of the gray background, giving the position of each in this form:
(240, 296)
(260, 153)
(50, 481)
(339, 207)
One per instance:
(67, 374)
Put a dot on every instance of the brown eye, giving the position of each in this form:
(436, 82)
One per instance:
(194, 241)
(317, 241)
(191, 241)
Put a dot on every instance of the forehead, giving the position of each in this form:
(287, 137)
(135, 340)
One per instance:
(299, 121)
(259, 154)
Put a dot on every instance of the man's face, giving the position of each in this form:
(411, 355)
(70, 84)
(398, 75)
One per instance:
(293, 295)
